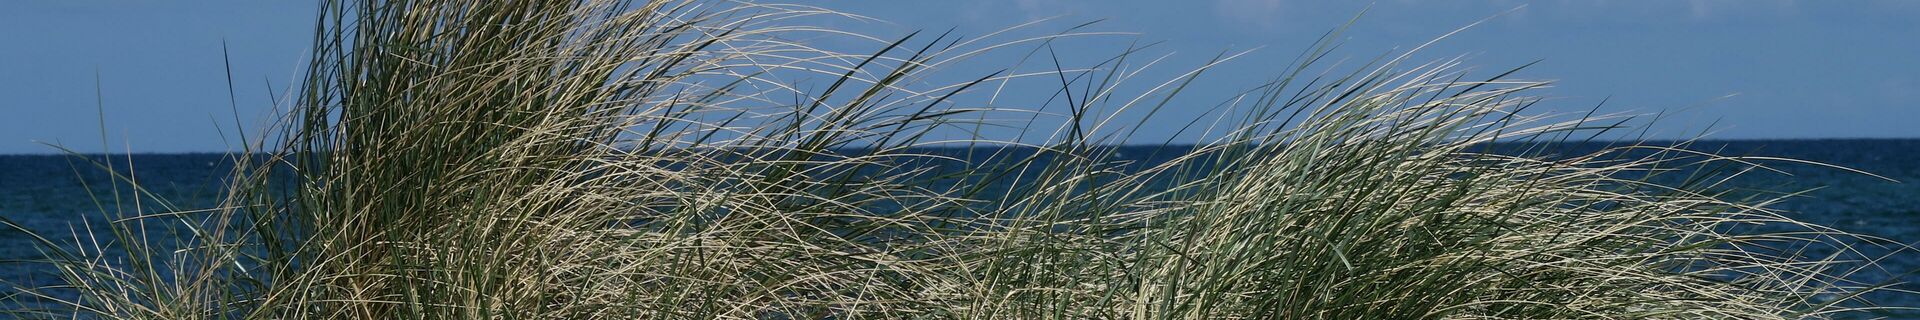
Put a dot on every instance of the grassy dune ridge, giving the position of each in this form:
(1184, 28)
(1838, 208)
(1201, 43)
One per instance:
(657, 159)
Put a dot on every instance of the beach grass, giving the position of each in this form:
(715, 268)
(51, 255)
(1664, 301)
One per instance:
(662, 159)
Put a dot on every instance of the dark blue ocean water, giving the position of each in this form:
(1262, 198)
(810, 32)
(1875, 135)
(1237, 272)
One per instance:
(50, 193)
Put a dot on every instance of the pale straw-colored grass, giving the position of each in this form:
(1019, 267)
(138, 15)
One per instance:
(661, 159)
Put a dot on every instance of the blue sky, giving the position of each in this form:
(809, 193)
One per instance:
(1753, 69)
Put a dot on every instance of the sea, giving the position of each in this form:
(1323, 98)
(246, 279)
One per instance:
(64, 195)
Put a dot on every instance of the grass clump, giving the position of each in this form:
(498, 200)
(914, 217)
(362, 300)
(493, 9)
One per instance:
(660, 159)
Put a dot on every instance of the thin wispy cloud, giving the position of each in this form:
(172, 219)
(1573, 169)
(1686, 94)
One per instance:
(1258, 13)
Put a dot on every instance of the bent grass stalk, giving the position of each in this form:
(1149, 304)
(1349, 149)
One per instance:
(662, 159)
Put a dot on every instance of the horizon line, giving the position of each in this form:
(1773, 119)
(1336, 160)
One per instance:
(196, 152)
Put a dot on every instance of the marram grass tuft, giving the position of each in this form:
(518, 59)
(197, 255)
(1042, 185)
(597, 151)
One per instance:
(662, 159)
